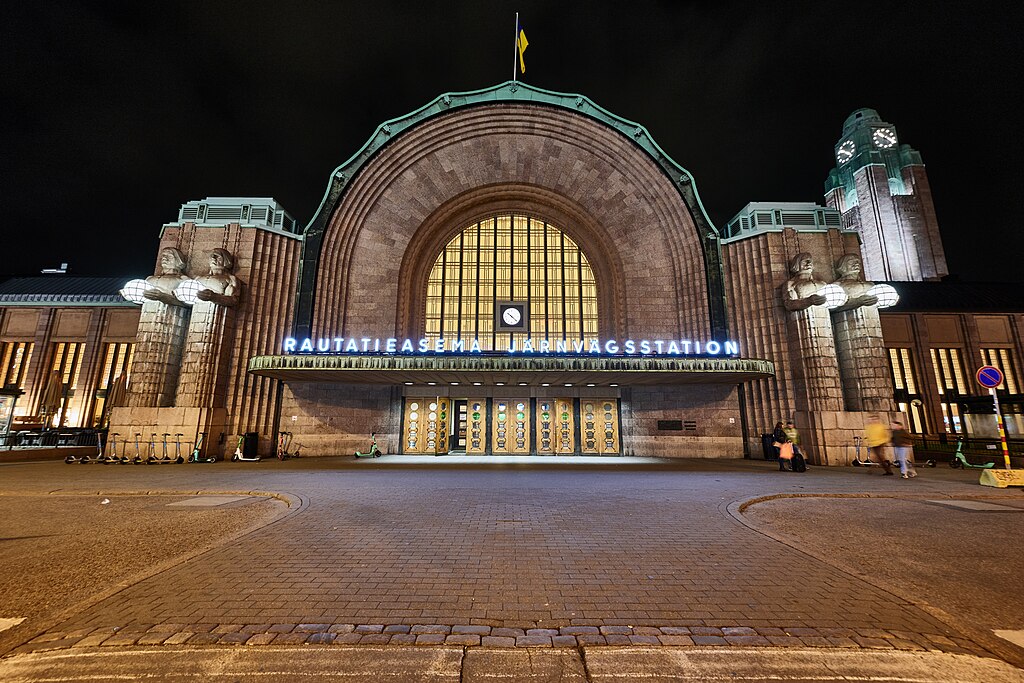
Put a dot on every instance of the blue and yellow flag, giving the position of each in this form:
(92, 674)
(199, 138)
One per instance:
(521, 44)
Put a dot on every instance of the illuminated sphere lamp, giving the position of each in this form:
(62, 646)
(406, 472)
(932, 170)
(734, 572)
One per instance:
(887, 295)
(187, 292)
(834, 295)
(133, 291)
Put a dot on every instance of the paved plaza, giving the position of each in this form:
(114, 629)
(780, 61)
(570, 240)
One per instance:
(586, 557)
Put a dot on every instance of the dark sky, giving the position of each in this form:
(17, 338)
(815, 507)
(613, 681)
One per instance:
(114, 114)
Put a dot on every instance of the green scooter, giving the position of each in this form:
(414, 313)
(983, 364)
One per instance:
(959, 462)
(374, 451)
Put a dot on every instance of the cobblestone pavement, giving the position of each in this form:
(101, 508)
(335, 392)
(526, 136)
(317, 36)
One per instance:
(538, 555)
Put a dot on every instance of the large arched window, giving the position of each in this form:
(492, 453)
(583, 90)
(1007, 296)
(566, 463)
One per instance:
(511, 258)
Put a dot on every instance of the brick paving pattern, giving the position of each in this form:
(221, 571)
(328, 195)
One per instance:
(492, 558)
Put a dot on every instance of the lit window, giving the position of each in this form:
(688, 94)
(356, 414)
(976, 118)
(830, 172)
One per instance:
(511, 258)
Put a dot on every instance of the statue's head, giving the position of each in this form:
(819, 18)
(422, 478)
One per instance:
(222, 259)
(849, 267)
(801, 263)
(172, 261)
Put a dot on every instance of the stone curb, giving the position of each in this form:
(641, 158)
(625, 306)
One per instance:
(477, 636)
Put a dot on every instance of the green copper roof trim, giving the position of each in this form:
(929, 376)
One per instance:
(510, 91)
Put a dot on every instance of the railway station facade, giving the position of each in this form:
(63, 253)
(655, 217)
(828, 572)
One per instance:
(506, 271)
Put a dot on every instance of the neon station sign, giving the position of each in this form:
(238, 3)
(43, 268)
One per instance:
(442, 346)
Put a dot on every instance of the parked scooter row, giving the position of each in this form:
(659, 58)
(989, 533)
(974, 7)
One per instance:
(152, 458)
(284, 441)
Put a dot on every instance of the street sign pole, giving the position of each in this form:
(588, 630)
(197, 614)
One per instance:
(1002, 432)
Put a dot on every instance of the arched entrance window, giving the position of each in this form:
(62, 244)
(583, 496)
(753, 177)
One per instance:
(511, 258)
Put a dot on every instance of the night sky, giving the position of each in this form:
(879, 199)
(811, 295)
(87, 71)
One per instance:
(114, 114)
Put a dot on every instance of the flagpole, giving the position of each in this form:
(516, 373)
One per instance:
(515, 49)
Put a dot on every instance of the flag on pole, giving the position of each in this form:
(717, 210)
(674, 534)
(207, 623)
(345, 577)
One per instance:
(521, 45)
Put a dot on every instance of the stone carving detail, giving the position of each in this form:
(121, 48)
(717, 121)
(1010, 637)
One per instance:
(863, 360)
(811, 345)
(208, 344)
(850, 276)
(220, 285)
(802, 289)
(161, 335)
(172, 273)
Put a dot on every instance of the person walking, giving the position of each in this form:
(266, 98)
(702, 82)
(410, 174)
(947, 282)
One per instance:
(903, 446)
(877, 436)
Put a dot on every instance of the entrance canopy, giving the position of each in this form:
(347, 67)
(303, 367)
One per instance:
(509, 370)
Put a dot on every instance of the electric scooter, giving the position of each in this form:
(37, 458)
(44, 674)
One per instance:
(959, 462)
(138, 455)
(177, 459)
(151, 458)
(857, 462)
(239, 455)
(284, 440)
(374, 451)
(195, 456)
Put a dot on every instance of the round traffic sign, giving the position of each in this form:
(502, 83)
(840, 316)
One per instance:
(989, 376)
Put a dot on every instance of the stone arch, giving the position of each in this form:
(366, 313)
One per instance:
(375, 234)
(474, 205)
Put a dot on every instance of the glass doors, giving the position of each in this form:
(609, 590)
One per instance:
(510, 426)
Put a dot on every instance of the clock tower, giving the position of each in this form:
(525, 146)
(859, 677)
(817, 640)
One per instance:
(881, 189)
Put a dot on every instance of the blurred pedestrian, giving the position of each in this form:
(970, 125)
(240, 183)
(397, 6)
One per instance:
(903, 446)
(877, 437)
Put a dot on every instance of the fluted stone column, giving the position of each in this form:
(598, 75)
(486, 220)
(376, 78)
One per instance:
(203, 370)
(158, 355)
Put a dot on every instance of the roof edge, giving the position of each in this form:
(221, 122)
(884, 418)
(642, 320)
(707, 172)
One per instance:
(509, 91)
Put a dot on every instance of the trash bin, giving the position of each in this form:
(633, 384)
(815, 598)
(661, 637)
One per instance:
(249, 444)
(768, 448)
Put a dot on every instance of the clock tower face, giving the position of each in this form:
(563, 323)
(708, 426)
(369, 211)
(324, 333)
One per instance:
(884, 138)
(845, 151)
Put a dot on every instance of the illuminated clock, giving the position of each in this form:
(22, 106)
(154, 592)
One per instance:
(511, 316)
(884, 138)
(845, 152)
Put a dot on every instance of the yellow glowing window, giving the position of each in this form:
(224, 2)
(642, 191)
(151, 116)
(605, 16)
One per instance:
(511, 258)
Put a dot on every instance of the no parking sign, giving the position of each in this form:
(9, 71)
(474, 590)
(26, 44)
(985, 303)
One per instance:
(989, 376)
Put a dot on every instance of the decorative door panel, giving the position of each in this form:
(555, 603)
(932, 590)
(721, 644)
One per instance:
(609, 426)
(546, 430)
(599, 425)
(565, 440)
(426, 425)
(511, 426)
(476, 439)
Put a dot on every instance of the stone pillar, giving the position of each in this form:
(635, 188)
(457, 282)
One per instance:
(158, 356)
(203, 381)
(863, 363)
(811, 339)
